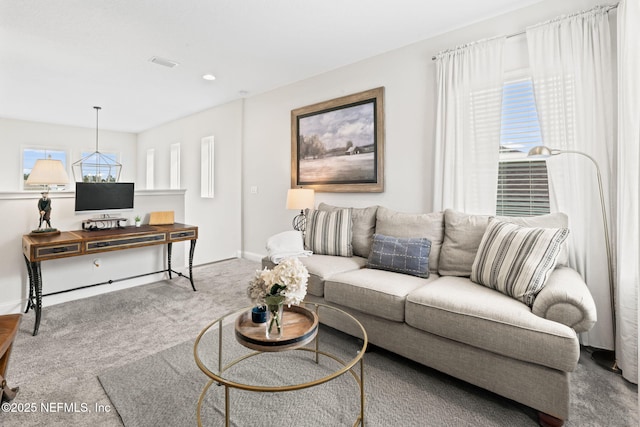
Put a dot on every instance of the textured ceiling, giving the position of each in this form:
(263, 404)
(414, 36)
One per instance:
(59, 58)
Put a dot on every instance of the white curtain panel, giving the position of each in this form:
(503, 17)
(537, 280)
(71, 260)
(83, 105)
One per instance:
(469, 80)
(628, 244)
(571, 63)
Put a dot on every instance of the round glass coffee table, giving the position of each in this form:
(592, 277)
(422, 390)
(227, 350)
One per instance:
(232, 353)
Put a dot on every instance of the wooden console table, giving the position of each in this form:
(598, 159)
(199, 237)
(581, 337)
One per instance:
(36, 248)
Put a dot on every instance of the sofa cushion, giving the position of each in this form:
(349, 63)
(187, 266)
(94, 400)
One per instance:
(402, 255)
(553, 220)
(321, 267)
(517, 260)
(329, 232)
(363, 225)
(373, 291)
(400, 224)
(460, 310)
(462, 235)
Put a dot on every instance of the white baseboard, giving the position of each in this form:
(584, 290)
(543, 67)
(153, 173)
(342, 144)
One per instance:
(12, 307)
(252, 256)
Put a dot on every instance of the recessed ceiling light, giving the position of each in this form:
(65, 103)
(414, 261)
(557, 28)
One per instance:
(209, 77)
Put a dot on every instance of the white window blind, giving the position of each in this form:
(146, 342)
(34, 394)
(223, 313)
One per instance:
(523, 187)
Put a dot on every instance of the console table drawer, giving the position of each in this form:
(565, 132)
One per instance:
(57, 251)
(124, 242)
(183, 235)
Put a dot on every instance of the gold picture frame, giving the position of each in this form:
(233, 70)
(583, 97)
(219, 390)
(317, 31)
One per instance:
(338, 145)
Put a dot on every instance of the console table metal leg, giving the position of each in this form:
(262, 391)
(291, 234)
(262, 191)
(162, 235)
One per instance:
(35, 290)
(191, 251)
(38, 291)
(169, 248)
(30, 272)
(170, 270)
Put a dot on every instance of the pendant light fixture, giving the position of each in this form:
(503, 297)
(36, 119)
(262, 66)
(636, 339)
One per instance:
(96, 167)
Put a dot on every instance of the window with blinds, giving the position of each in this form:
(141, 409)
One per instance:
(523, 187)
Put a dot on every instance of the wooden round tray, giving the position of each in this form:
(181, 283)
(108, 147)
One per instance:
(300, 327)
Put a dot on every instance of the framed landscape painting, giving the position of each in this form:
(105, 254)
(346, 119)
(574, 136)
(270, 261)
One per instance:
(338, 145)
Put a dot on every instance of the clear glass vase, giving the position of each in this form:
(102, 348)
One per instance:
(274, 320)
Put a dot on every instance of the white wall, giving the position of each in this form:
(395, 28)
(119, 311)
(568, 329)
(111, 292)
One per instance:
(408, 75)
(18, 134)
(218, 219)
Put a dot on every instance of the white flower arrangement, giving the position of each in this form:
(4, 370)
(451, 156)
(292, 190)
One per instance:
(286, 283)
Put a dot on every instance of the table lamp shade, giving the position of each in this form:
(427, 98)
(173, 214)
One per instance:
(540, 152)
(46, 172)
(300, 198)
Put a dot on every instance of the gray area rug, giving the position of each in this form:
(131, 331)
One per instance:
(149, 328)
(163, 390)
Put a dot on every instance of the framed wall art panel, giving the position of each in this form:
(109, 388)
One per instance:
(338, 145)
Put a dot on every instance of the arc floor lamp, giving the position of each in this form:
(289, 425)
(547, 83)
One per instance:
(604, 358)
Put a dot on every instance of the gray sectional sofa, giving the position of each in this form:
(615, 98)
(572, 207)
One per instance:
(449, 323)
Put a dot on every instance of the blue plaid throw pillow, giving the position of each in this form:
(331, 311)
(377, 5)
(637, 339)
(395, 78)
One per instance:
(402, 255)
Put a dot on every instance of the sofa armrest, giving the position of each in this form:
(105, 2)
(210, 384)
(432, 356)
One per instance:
(566, 299)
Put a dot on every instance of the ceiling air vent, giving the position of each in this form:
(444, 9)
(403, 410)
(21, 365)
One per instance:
(163, 61)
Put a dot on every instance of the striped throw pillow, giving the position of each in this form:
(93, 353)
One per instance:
(516, 260)
(329, 232)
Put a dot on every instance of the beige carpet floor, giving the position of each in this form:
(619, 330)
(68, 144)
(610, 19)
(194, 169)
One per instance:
(57, 371)
(80, 339)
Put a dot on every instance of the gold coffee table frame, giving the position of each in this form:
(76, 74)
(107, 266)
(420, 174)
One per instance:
(217, 377)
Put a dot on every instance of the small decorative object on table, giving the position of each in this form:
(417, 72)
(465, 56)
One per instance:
(259, 314)
(44, 209)
(138, 220)
(285, 284)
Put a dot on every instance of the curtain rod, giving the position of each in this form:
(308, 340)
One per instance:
(519, 33)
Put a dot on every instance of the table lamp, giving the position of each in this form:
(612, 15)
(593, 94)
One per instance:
(300, 198)
(46, 172)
